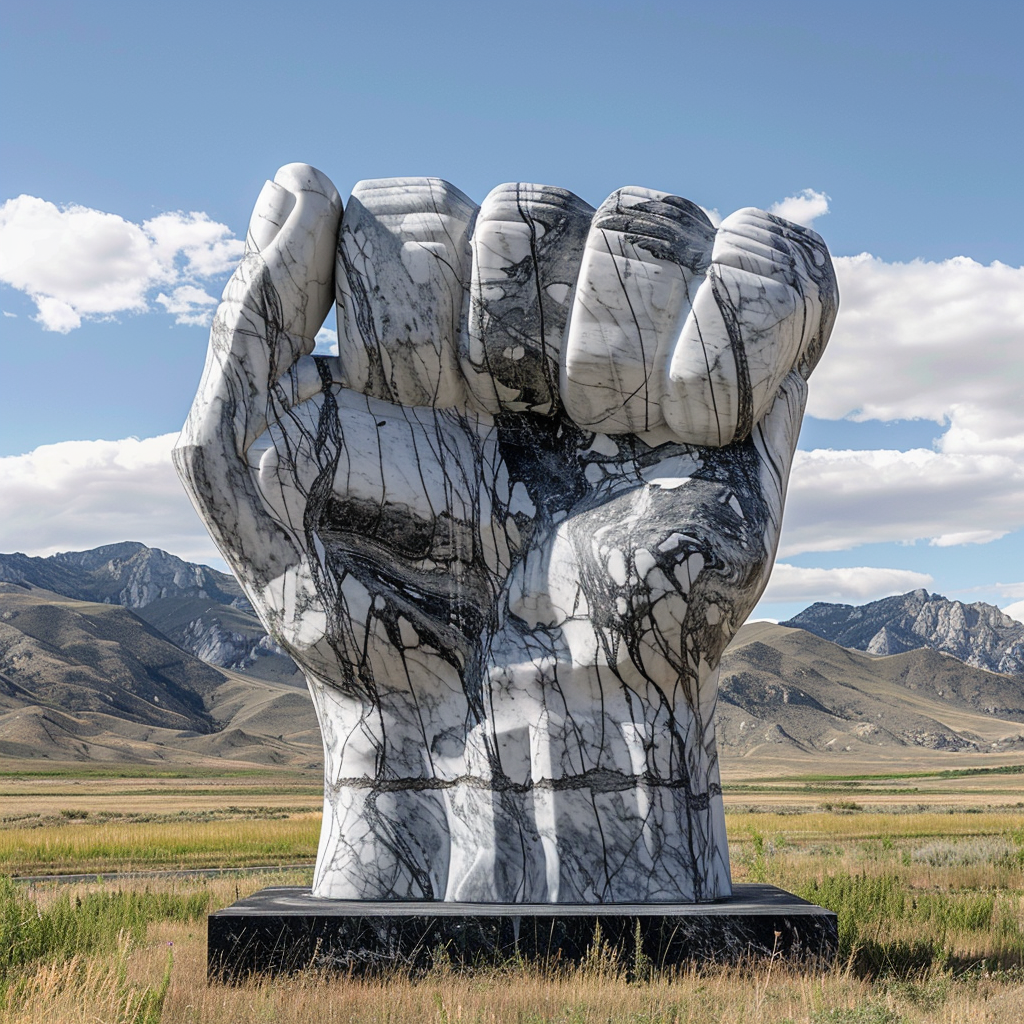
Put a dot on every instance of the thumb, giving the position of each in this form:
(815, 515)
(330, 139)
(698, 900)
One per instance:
(290, 246)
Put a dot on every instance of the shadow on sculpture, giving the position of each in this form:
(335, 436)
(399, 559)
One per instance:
(508, 530)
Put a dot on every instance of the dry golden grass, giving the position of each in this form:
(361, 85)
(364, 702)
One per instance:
(248, 837)
(731, 996)
(933, 912)
(773, 994)
(83, 847)
(85, 990)
(953, 984)
(844, 824)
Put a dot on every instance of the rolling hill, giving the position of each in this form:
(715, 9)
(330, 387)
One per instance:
(87, 681)
(784, 688)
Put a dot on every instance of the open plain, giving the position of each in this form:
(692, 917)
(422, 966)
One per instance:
(922, 858)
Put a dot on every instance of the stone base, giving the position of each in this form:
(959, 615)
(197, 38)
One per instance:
(285, 928)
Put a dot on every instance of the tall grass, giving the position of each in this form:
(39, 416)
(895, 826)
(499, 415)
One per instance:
(905, 908)
(80, 947)
(85, 990)
(931, 929)
(74, 925)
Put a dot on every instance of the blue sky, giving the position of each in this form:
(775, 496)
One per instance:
(905, 116)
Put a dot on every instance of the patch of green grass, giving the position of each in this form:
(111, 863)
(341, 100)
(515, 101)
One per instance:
(82, 925)
(68, 937)
(937, 773)
(868, 907)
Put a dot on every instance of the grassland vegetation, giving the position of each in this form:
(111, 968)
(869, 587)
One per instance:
(930, 905)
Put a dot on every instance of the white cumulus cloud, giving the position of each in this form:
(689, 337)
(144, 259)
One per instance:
(326, 342)
(1015, 610)
(189, 304)
(841, 499)
(803, 208)
(77, 495)
(78, 263)
(923, 340)
(864, 583)
(941, 341)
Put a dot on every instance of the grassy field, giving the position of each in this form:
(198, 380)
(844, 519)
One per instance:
(925, 869)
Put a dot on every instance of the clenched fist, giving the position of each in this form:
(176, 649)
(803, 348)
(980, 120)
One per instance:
(509, 529)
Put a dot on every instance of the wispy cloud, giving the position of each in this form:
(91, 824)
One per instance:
(189, 304)
(841, 499)
(792, 583)
(78, 263)
(938, 341)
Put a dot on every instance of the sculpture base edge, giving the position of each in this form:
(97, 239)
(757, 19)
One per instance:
(284, 928)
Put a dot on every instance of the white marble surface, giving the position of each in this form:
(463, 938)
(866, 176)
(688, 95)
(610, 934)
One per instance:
(509, 530)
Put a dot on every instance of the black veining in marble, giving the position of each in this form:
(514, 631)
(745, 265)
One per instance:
(509, 530)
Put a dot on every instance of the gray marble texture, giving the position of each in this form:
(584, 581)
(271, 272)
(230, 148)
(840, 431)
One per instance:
(510, 528)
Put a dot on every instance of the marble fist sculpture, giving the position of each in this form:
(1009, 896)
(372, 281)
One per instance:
(509, 529)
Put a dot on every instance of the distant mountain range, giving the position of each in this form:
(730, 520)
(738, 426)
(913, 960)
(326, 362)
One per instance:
(786, 689)
(977, 634)
(197, 608)
(127, 653)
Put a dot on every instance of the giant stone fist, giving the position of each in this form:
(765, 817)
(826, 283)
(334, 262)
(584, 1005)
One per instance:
(509, 529)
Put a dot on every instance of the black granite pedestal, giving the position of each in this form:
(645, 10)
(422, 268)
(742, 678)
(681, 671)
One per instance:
(285, 928)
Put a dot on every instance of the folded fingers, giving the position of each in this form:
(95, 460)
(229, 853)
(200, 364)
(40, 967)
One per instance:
(639, 317)
(765, 307)
(527, 248)
(402, 266)
(645, 253)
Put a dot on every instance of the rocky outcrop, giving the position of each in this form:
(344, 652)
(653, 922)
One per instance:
(978, 634)
(209, 641)
(133, 575)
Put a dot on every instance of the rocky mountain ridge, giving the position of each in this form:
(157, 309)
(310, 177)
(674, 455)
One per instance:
(86, 681)
(84, 657)
(199, 609)
(129, 574)
(979, 634)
